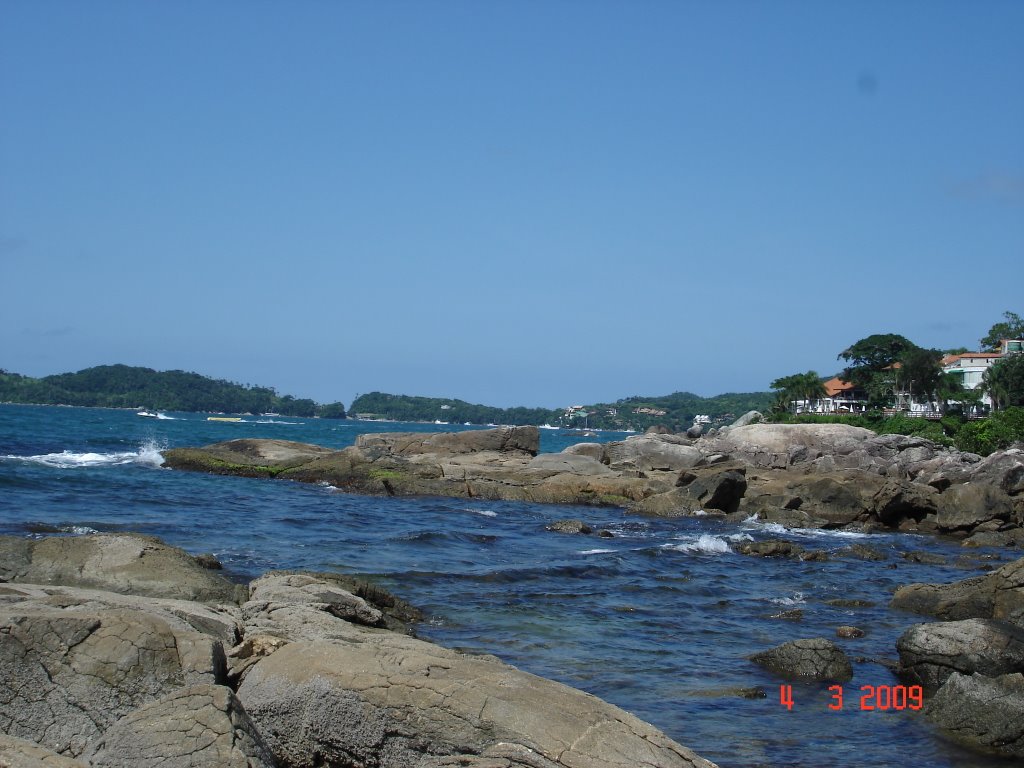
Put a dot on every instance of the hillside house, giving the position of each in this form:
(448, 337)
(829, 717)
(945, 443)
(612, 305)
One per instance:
(970, 367)
(840, 397)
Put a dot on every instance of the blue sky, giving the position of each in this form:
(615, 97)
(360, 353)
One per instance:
(536, 203)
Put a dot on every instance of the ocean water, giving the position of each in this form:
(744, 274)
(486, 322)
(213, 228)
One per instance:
(659, 619)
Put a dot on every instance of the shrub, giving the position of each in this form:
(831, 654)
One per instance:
(998, 431)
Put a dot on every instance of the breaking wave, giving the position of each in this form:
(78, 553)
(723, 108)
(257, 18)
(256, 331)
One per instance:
(148, 454)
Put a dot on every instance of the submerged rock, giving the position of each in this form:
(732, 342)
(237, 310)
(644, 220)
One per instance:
(570, 526)
(814, 659)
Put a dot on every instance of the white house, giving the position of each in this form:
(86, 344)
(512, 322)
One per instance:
(970, 367)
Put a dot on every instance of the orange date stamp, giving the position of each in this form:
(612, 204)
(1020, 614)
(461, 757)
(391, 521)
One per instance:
(884, 698)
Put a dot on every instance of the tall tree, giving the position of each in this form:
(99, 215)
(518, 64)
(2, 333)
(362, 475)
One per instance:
(1012, 327)
(921, 371)
(873, 354)
(1004, 382)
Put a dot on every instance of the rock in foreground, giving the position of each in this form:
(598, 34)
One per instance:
(982, 711)
(94, 678)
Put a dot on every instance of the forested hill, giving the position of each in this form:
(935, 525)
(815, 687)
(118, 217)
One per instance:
(123, 386)
(676, 411)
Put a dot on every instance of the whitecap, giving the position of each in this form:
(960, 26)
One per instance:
(596, 551)
(148, 453)
(706, 543)
(796, 599)
(484, 512)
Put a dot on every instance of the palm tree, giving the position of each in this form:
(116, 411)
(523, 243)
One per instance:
(811, 387)
(796, 388)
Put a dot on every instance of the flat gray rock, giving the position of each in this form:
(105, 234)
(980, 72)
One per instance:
(395, 702)
(20, 753)
(67, 672)
(124, 562)
(201, 726)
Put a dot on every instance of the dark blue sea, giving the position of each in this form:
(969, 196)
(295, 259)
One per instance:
(659, 619)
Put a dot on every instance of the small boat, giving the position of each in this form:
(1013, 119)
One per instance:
(224, 418)
(148, 414)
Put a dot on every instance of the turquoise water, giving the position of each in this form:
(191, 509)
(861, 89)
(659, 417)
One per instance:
(658, 620)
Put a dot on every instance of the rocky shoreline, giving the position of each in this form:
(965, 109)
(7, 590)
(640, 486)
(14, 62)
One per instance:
(118, 650)
(798, 475)
(969, 665)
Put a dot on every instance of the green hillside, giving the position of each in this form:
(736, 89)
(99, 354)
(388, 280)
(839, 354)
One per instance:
(676, 411)
(123, 386)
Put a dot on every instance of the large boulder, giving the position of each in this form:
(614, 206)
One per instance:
(718, 487)
(997, 595)
(247, 457)
(982, 712)
(646, 453)
(963, 507)
(123, 562)
(393, 701)
(500, 439)
(200, 726)
(593, 450)
(315, 591)
(813, 659)
(222, 622)
(930, 653)
(573, 464)
(67, 672)
(782, 445)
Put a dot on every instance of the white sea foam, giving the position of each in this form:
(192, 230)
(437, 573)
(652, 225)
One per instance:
(706, 543)
(484, 512)
(796, 599)
(596, 551)
(148, 454)
(78, 530)
(780, 530)
(165, 417)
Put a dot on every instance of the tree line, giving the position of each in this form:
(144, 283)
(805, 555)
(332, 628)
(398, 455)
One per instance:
(123, 386)
(676, 411)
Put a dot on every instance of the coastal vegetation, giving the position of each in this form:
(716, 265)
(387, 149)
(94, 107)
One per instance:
(123, 386)
(676, 411)
(891, 371)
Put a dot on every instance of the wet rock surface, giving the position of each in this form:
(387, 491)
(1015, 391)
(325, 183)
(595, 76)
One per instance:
(813, 659)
